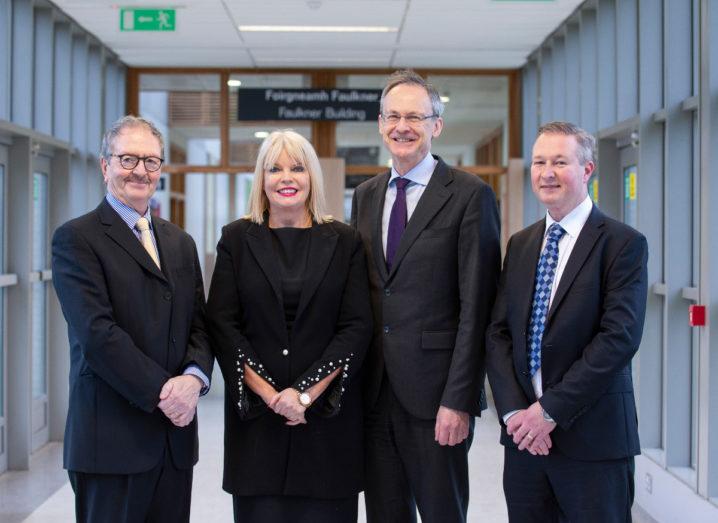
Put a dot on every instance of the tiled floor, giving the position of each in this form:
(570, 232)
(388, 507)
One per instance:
(44, 495)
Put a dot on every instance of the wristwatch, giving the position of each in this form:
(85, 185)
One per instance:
(305, 400)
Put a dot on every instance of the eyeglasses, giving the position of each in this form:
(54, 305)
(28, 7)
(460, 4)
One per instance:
(411, 119)
(130, 161)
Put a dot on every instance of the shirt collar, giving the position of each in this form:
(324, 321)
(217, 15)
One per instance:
(574, 221)
(420, 173)
(127, 213)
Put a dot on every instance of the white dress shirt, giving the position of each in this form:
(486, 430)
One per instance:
(572, 223)
(419, 177)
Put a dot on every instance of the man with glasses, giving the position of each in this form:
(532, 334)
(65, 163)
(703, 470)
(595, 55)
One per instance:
(431, 234)
(131, 291)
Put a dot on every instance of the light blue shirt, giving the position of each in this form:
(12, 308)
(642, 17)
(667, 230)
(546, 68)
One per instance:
(130, 217)
(418, 177)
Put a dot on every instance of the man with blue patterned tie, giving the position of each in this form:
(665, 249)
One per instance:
(566, 324)
(431, 234)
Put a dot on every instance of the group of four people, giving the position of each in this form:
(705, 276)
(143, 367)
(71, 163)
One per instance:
(354, 357)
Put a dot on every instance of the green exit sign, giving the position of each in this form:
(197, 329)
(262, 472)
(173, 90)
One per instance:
(147, 19)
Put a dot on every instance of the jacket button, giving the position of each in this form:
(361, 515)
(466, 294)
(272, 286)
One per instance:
(168, 296)
(387, 292)
(386, 329)
(285, 352)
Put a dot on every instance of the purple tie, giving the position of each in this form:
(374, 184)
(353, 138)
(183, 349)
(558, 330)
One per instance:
(397, 221)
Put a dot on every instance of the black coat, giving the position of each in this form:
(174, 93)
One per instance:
(593, 329)
(332, 327)
(131, 328)
(431, 311)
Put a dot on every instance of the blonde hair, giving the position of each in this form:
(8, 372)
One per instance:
(300, 151)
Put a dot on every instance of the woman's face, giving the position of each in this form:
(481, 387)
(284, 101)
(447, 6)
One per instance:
(287, 186)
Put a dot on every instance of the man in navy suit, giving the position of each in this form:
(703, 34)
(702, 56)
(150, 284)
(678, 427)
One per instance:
(566, 324)
(131, 291)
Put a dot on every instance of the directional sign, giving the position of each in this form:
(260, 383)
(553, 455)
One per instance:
(147, 19)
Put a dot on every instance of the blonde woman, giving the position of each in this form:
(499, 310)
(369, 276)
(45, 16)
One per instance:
(290, 318)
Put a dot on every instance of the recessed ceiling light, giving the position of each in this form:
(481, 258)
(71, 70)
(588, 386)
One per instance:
(318, 28)
(261, 134)
(234, 83)
(444, 99)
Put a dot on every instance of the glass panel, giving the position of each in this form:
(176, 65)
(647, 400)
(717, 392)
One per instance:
(39, 289)
(245, 137)
(185, 108)
(630, 196)
(475, 119)
(2, 299)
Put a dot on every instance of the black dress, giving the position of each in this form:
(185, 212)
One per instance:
(291, 247)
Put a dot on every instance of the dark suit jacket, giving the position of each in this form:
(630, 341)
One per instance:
(332, 327)
(592, 331)
(131, 327)
(432, 309)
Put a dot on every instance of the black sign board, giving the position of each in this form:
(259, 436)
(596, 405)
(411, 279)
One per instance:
(356, 105)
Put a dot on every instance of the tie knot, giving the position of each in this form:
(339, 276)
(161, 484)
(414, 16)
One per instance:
(401, 183)
(555, 232)
(143, 224)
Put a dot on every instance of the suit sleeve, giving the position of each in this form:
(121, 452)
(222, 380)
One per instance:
(79, 280)
(479, 263)
(231, 346)
(352, 334)
(616, 341)
(198, 347)
(508, 394)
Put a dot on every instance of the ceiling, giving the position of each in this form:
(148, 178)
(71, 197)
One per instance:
(463, 34)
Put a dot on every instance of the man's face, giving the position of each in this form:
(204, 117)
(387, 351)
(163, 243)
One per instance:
(408, 144)
(557, 178)
(134, 187)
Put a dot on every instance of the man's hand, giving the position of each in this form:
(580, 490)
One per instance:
(178, 398)
(530, 430)
(452, 426)
(286, 403)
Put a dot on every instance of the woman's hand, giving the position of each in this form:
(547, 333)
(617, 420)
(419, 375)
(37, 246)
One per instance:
(286, 403)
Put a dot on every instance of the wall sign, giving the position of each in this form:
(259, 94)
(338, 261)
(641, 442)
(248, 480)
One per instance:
(355, 105)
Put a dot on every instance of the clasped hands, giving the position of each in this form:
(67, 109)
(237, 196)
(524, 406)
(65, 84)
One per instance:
(179, 397)
(286, 403)
(530, 430)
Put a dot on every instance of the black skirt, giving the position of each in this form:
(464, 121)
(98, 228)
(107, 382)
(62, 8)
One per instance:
(294, 509)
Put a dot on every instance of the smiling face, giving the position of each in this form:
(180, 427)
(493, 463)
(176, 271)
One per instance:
(287, 186)
(408, 144)
(558, 179)
(133, 187)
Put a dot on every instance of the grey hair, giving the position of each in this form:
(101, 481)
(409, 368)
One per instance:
(108, 140)
(408, 76)
(586, 142)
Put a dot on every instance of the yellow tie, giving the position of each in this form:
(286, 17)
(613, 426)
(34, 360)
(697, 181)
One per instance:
(146, 238)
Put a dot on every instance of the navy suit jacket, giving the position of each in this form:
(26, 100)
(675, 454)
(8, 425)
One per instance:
(593, 329)
(131, 326)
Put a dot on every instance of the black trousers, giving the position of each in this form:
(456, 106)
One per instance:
(160, 495)
(406, 469)
(294, 509)
(555, 488)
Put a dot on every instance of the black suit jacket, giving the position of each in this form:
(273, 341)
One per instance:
(432, 309)
(592, 331)
(131, 328)
(332, 328)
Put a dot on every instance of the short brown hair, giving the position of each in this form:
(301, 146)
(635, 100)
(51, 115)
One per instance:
(586, 142)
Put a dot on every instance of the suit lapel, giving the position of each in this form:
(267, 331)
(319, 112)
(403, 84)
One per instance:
(260, 243)
(121, 234)
(377, 231)
(584, 245)
(435, 196)
(322, 244)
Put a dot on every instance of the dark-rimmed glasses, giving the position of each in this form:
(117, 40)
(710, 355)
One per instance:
(130, 161)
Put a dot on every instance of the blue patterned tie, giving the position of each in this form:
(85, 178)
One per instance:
(545, 272)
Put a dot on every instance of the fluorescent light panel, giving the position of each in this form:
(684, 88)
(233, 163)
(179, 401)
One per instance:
(318, 28)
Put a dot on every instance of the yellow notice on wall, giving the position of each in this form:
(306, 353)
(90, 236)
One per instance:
(632, 184)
